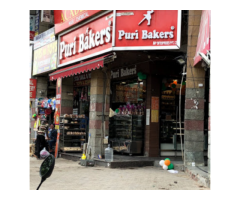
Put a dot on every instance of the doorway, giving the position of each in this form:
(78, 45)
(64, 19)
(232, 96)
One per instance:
(171, 123)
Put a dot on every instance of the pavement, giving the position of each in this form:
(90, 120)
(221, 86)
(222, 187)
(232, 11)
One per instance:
(69, 175)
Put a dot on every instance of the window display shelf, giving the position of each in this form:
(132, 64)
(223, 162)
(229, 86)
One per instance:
(128, 140)
(78, 135)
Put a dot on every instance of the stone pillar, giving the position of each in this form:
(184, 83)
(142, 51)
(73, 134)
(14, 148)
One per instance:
(209, 127)
(67, 100)
(194, 118)
(99, 92)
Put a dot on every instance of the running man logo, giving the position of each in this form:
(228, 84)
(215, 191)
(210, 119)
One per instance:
(147, 17)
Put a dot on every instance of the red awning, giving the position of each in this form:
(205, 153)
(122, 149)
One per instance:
(78, 68)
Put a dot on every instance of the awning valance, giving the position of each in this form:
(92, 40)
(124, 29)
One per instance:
(79, 68)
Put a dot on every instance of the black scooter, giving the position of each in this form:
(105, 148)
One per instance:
(46, 168)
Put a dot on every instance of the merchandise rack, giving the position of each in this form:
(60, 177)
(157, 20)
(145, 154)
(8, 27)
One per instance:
(73, 142)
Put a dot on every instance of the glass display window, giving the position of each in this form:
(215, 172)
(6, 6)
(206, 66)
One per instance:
(128, 91)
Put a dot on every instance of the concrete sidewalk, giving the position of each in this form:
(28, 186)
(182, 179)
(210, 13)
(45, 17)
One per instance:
(199, 174)
(69, 175)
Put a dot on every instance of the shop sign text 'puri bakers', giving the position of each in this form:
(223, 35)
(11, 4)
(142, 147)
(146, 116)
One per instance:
(87, 41)
(123, 72)
(145, 34)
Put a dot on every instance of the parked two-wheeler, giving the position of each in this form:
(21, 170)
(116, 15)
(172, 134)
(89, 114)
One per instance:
(46, 168)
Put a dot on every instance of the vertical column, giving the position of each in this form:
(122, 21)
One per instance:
(99, 93)
(151, 138)
(67, 100)
(209, 126)
(194, 118)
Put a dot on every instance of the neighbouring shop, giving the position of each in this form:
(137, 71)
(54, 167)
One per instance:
(81, 93)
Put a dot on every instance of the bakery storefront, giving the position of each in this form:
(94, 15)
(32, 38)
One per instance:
(119, 67)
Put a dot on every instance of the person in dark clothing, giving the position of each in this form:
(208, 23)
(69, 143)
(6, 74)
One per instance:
(40, 143)
(52, 136)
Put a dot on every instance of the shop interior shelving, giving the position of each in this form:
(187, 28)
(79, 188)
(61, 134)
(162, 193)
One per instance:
(126, 133)
(170, 127)
(73, 134)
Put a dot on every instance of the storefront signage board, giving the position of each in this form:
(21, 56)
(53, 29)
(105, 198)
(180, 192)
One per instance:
(45, 58)
(82, 79)
(154, 109)
(123, 72)
(37, 19)
(203, 44)
(33, 88)
(64, 19)
(32, 26)
(44, 38)
(90, 39)
(147, 29)
(120, 30)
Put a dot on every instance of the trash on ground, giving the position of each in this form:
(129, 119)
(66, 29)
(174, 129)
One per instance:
(173, 171)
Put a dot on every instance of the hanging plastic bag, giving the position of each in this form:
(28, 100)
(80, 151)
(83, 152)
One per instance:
(44, 153)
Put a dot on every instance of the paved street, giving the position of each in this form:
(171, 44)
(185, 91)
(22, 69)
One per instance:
(69, 175)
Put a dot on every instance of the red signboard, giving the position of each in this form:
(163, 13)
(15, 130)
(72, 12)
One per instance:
(64, 19)
(203, 44)
(147, 29)
(33, 88)
(89, 40)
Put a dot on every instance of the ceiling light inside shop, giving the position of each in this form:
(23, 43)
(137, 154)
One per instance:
(123, 82)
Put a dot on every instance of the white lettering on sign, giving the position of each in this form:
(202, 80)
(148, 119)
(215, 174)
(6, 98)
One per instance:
(145, 35)
(128, 72)
(32, 88)
(115, 74)
(124, 72)
(58, 96)
(87, 41)
(57, 102)
(82, 16)
(82, 77)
